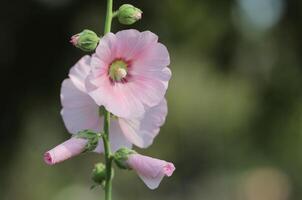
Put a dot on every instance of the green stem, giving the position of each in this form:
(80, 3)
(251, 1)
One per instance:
(108, 159)
(109, 16)
(106, 141)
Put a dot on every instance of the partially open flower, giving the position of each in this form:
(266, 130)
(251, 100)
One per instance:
(70, 148)
(150, 170)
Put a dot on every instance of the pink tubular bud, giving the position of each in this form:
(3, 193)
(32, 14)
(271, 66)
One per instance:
(150, 170)
(70, 148)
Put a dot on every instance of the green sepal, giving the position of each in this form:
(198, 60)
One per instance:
(121, 156)
(92, 138)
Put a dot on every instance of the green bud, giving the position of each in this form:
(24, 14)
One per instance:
(121, 157)
(128, 14)
(87, 40)
(92, 137)
(99, 173)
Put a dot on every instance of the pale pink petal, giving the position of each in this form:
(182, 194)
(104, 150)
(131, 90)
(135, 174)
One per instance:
(64, 151)
(117, 138)
(106, 50)
(164, 76)
(150, 170)
(156, 57)
(131, 43)
(142, 132)
(98, 67)
(118, 98)
(149, 90)
(79, 111)
(79, 72)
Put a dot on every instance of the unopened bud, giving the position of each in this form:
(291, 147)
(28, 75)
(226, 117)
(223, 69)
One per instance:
(87, 40)
(128, 14)
(99, 173)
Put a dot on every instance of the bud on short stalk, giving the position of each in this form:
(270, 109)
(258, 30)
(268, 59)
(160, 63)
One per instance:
(87, 40)
(128, 14)
(99, 173)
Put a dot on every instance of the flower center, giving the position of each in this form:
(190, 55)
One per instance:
(118, 70)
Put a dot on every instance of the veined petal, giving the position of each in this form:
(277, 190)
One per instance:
(150, 170)
(142, 132)
(106, 50)
(118, 98)
(149, 90)
(132, 43)
(79, 72)
(79, 111)
(155, 58)
(64, 151)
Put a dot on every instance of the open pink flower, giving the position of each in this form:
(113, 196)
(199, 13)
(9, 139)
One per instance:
(64, 151)
(150, 170)
(80, 112)
(129, 73)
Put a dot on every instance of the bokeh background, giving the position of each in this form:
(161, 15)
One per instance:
(234, 128)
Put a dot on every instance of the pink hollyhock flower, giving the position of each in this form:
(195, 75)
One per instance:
(129, 73)
(64, 151)
(80, 112)
(150, 170)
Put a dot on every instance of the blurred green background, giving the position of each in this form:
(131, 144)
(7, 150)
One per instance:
(234, 128)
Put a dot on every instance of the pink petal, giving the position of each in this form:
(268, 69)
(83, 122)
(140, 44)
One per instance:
(98, 67)
(118, 98)
(117, 138)
(79, 72)
(156, 57)
(142, 132)
(106, 49)
(132, 43)
(64, 151)
(150, 170)
(149, 90)
(79, 111)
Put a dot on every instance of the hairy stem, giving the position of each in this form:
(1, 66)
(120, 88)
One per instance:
(106, 141)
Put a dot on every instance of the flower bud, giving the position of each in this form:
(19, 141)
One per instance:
(66, 150)
(99, 173)
(128, 14)
(150, 170)
(87, 40)
(121, 157)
